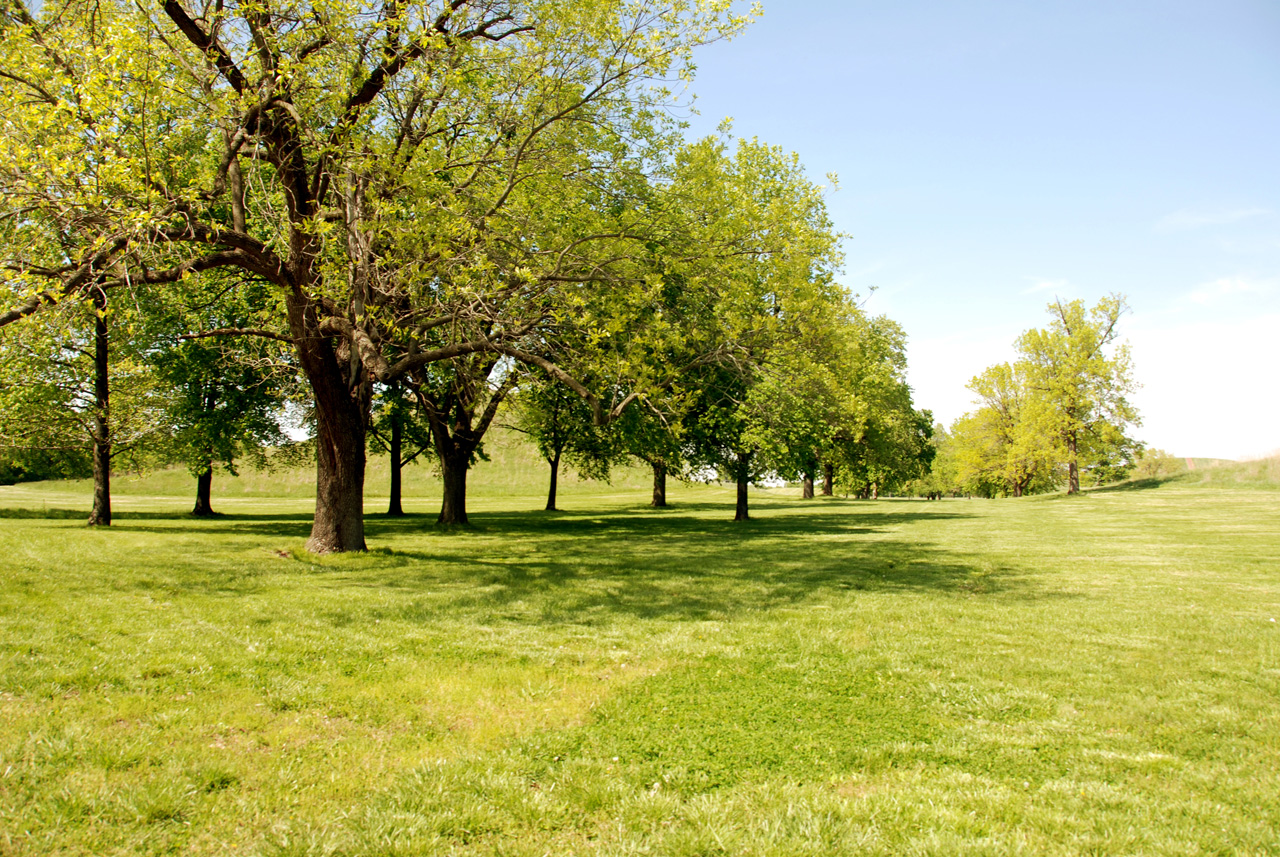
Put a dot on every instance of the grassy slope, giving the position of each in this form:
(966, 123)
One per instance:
(1050, 675)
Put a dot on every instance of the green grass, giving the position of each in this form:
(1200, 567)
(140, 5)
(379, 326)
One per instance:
(1092, 675)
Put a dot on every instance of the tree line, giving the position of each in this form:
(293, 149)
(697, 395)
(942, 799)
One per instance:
(408, 222)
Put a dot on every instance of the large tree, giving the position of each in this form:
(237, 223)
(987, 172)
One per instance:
(373, 163)
(1083, 378)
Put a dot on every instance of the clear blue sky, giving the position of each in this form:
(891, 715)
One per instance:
(995, 155)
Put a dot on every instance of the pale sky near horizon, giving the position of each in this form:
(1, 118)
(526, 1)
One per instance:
(995, 155)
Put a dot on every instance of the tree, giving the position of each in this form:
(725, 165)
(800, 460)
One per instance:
(561, 426)
(397, 428)
(369, 162)
(225, 396)
(1008, 445)
(225, 403)
(67, 385)
(1083, 381)
(776, 294)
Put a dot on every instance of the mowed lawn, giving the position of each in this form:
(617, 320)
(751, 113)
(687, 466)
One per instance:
(1052, 675)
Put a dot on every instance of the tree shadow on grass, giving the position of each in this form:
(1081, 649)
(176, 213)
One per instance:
(1147, 484)
(582, 567)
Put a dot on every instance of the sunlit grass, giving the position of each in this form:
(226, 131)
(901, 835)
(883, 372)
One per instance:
(1093, 675)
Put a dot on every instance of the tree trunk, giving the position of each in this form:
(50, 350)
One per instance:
(806, 486)
(339, 521)
(100, 515)
(554, 461)
(397, 462)
(743, 469)
(453, 505)
(340, 436)
(875, 490)
(828, 479)
(1073, 467)
(204, 492)
(659, 484)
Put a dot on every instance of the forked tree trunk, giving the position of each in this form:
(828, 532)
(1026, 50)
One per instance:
(828, 479)
(453, 505)
(204, 492)
(1073, 467)
(659, 484)
(806, 486)
(100, 515)
(554, 461)
(743, 470)
(397, 463)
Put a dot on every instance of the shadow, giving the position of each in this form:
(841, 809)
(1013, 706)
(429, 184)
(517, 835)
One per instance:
(45, 514)
(588, 567)
(688, 562)
(1147, 484)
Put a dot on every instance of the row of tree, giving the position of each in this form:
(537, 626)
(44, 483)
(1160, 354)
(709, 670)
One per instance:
(400, 215)
(1061, 409)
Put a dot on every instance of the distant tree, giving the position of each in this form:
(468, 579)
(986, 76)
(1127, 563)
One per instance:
(397, 428)
(1008, 445)
(562, 427)
(225, 402)
(1084, 380)
(224, 396)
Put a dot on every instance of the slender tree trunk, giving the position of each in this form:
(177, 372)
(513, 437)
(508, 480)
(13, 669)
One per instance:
(828, 479)
(806, 486)
(100, 515)
(554, 461)
(743, 470)
(204, 492)
(1073, 467)
(397, 462)
(453, 505)
(659, 484)
(875, 490)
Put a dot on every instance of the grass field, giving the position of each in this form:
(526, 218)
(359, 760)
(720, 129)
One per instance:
(1051, 675)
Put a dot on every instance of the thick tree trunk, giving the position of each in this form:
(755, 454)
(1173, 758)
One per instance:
(1073, 467)
(453, 505)
(339, 521)
(555, 476)
(397, 463)
(340, 439)
(100, 515)
(204, 492)
(743, 470)
(875, 490)
(659, 484)
(806, 486)
(828, 479)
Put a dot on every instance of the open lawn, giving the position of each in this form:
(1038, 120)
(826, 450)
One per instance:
(1051, 675)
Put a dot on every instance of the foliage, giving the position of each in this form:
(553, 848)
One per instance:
(47, 403)
(418, 182)
(227, 394)
(1060, 409)
(560, 425)
(1083, 387)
